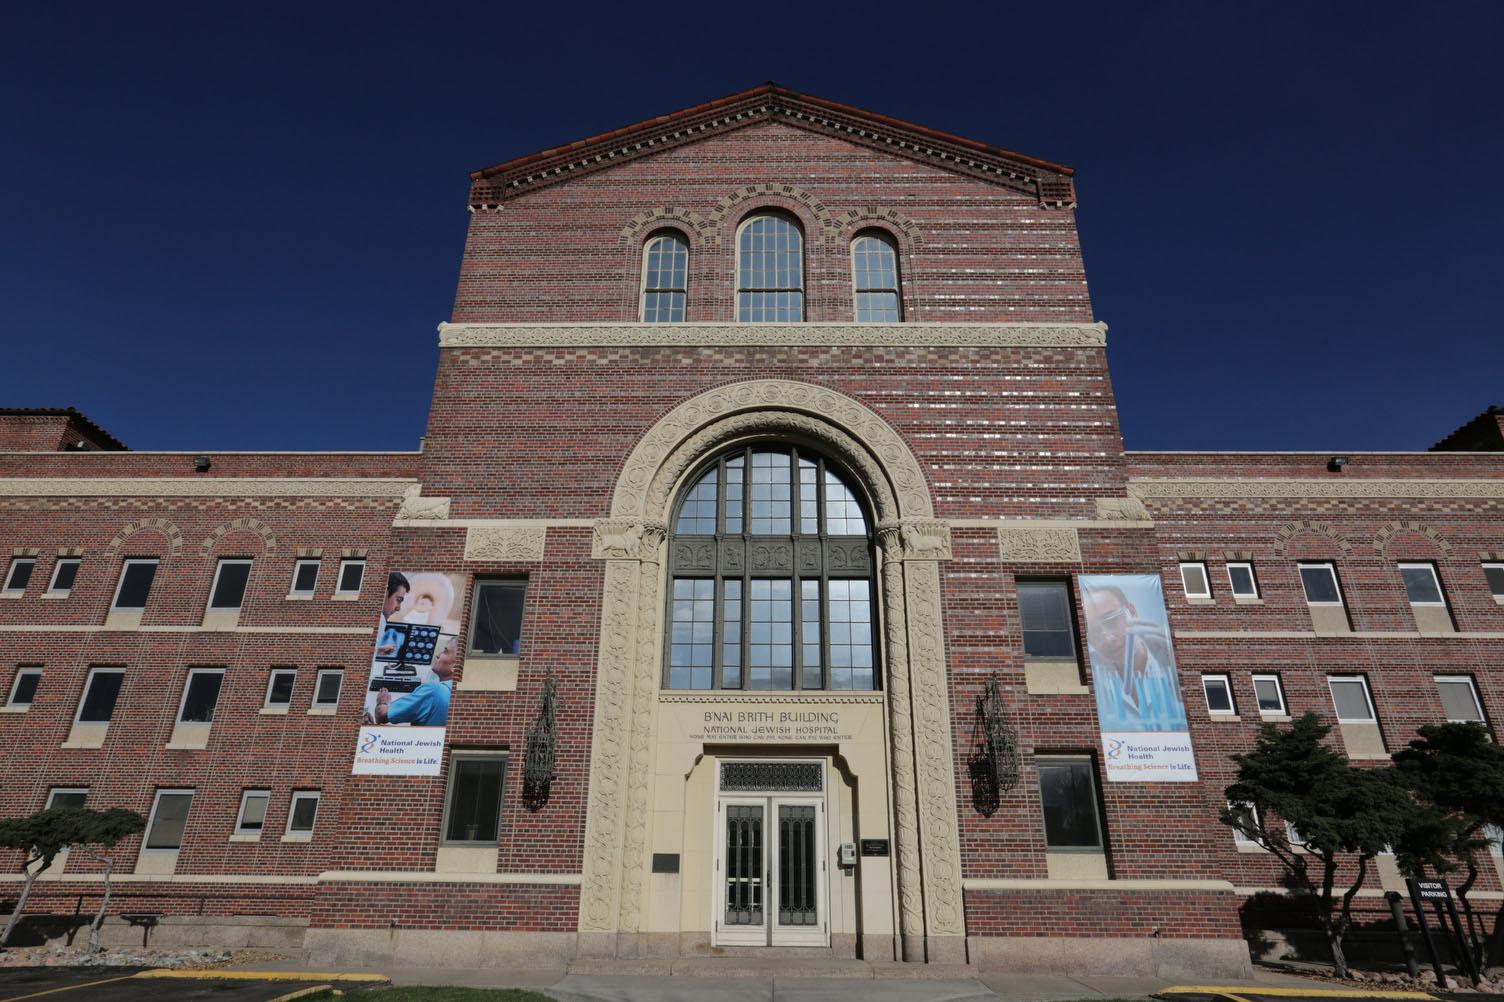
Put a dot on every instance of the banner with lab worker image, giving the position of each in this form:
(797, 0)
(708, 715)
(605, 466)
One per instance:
(1146, 737)
(414, 668)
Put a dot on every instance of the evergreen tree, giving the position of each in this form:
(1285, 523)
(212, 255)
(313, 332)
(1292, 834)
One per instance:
(46, 833)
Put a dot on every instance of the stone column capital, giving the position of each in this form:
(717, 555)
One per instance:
(627, 539)
(915, 539)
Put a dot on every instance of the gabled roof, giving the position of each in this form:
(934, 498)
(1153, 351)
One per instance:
(1050, 182)
(94, 432)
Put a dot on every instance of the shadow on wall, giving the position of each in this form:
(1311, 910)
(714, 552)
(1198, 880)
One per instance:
(1280, 927)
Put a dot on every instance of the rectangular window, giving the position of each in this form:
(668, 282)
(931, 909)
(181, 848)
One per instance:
(1218, 691)
(1068, 794)
(302, 812)
(279, 686)
(64, 573)
(809, 635)
(770, 637)
(1292, 834)
(472, 810)
(850, 604)
(326, 691)
(19, 575)
(67, 798)
(352, 573)
(230, 579)
(200, 695)
(24, 688)
(1459, 697)
(136, 577)
(1194, 580)
(1048, 620)
(1422, 586)
(1242, 580)
(496, 624)
(731, 634)
(1250, 814)
(1494, 574)
(305, 577)
(252, 816)
(1350, 697)
(100, 694)
(1270, 695)
(1320, 584)
(169, 816)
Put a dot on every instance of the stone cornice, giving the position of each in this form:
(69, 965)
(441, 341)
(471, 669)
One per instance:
(1225, 487)
(728, 335)
(156, 487)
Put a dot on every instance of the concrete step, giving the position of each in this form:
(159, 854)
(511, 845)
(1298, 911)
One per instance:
(781, 966)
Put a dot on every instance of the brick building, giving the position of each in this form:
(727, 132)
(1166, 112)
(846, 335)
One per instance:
(766, 435)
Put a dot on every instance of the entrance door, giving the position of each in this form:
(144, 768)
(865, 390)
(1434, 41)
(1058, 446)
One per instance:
(771, 871)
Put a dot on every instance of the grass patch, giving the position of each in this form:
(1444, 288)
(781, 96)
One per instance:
(424, 994)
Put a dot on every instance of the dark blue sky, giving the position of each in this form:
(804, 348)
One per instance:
(237, 226)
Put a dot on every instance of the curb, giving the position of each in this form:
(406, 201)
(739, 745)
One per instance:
(303, 993)
(216, 974)
(1241, 993)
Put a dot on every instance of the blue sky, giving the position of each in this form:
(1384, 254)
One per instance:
(237, 226)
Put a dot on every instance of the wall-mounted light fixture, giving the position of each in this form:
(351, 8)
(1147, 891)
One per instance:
(1336, 463)
(201, 464)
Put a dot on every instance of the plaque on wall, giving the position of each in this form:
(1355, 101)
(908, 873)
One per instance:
(874, 847)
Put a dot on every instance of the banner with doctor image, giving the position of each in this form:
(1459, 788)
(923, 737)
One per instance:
(414, 668)
(1146, 737)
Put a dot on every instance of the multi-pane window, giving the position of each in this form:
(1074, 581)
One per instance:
(1242, 580)
(874, 274)
(352, 573)
(1194, 580)
(1494, 574)
(200, 695)
(1459, 697)
(279, 687)
(1350, 697)
(771, 567)
(252, 817)
(1218, 691)
(305, 577)
(1320, 584)
(472, 811)
(67, 798)
(24, 689)
(1249, 815)
(64, 573)
(169, 816)
(19, 575)
(496, 625)
(302, 812)
(230, 580)
(665, 278)
(1044, 610)
(1270, 695)
(101, 691)
(1068, 795)
(1422, 586)
(136, 577)
(769, 271)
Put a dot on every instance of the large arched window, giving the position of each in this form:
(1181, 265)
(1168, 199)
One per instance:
(770, 569)
(665, 278)
(874, 278)
(769, 271)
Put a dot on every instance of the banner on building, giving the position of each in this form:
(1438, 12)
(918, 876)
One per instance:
(414, 667)
(1145, 735)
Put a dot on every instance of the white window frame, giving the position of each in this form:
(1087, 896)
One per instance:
(1185, 585)
(292, 806)
(1498, 596)
(271, 678)
(1279, 687)
(298, 565)
(151, 819)
(803, 287)
(1238, 836)
(1252, 577)
(214, 585)
(339, 580)
(1373, 710)
(318, 685)
(64, 789)
(188, 681)
(884, 237)
(1295, 838)
(1232, 702)
(1421, 565)
(83, 697)
(1472, 687)
(10, 575)
(15, 683)
(642, 285)
(245, 797)
(1331, 569)
(120, 583)
(57, 567)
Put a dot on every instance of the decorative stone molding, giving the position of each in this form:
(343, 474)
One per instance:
(1039, 546)
(70, 551)
(350, 553)
(854, 219)
(167, 528)
(665, 218)
(523, 543)
(759, 192)
(1293, 529)
(169, 487)
(773, 335)
(416, 508)
(717, 697)
(25, 551)
(919, 539)
(268, 540)
(310, 551)
(624, 539)
(1393, 529)
(1129, 509)
(1217, 487)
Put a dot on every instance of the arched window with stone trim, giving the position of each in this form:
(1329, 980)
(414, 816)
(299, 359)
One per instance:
(665, 278)
(770, 577)
(874, 279)
(769, 270)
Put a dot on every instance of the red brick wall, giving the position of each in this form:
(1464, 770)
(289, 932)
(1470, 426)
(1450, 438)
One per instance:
(505, 908)
(1171, 914)
(34, 432)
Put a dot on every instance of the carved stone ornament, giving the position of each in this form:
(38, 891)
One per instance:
(626, 539)
(925, 540)
(772, 335)
(268, 540)
(416, 508)
(166, 528)
(1122, 510)
(522, 543)
(1039, 546)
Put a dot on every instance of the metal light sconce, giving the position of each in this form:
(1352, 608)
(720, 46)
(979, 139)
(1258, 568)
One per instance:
(538, 766)
(994, 760)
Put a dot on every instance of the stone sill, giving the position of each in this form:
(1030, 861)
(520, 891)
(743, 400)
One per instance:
(431, 877)
(1249, 600)
(1275, 718)
(304, 838)
(1137, 886)
(298, 598)
(1366, 757)
(1249, 847)
(12, 594)
(1225, 718)
(245, 838)
(55, 594)
(322, 711)
(1207, 600)
(275, 711)
(15, 709)
(345, 597)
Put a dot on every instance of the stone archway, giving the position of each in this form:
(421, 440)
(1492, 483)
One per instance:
(911, 542)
